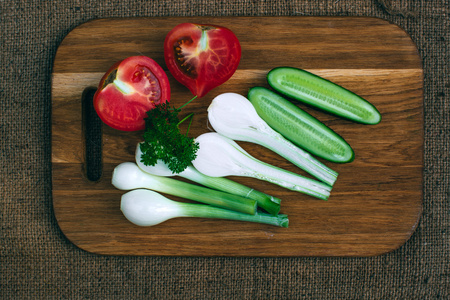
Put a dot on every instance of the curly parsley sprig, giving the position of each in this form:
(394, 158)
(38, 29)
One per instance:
(163, 139)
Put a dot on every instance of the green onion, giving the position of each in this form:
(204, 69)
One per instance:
(220, 156)
(148, 208)
(268, 203)
(128, 176)
(234, 116)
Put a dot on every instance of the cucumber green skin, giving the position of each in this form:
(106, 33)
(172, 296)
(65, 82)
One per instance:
(323, 94)
(300, 127)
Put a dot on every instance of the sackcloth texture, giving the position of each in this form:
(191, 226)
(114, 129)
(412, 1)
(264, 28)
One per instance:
(38, 262)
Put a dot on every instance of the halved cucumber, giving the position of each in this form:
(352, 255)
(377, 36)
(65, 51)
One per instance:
(321, 93)
(299, 127)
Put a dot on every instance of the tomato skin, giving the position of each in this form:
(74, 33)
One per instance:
(201, 56)
(128, 90)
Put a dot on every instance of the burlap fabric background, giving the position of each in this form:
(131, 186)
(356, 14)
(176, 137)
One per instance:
(38, 262)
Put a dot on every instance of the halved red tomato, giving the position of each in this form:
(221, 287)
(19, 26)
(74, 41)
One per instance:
(128, 90)
(200, 56)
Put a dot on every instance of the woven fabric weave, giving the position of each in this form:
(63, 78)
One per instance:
(38, 262)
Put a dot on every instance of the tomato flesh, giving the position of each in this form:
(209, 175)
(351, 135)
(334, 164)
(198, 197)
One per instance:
(128, 90)
(201, 57)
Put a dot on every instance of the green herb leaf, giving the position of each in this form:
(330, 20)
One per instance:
(163, 140)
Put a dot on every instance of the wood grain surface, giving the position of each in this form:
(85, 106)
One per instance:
(376, 202)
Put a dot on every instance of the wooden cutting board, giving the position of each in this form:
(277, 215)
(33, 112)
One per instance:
(376, 203)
